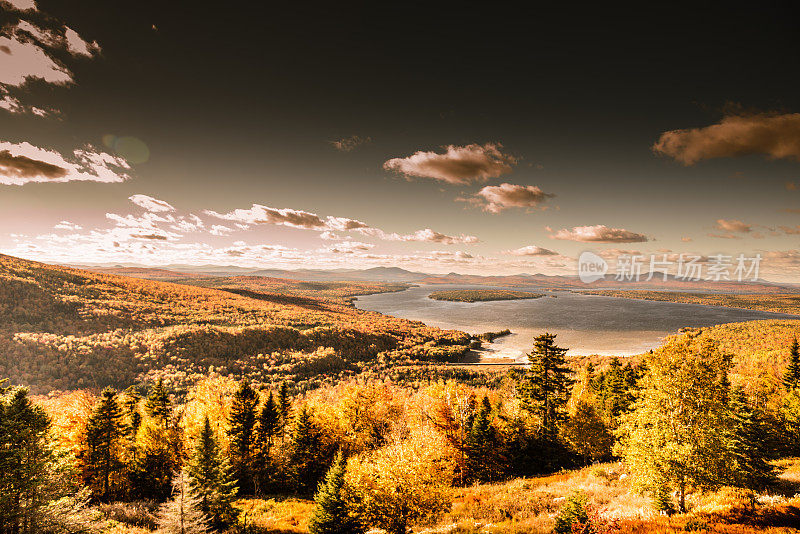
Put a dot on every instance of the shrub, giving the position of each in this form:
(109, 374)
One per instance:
(574, 511)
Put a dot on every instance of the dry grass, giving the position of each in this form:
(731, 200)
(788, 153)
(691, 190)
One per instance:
(276, 515)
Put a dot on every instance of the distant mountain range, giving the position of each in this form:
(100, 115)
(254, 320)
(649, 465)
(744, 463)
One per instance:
(397, 274)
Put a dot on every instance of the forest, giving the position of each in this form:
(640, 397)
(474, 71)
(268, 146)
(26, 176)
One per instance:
(482, 295)
(134, 406)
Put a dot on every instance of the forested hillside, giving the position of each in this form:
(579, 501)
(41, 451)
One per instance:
(63, 328)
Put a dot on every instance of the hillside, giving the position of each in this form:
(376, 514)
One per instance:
(63, 328)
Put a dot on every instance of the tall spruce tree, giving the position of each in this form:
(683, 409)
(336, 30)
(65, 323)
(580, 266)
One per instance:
(791, 378)
(331, 514)
(284, 407)
(31, 475)
(211, 480)
(748, 444)
(482, 445)
(182, 514)
(545, 387)
(104, 446)
(307, 459)
(268, 427)
(242, 427)
(157, 405)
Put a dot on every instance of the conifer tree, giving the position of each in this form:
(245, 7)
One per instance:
(331, 514)
(211, 480)
(268, 426)
(158, 448)
(157, 405)
(182, 514)
(104, 445)
(243, 422)
(747, 444)
(284, 407)
(306, 457)
(791, 378)
(482, 445)
(546, 383)
(31, 475)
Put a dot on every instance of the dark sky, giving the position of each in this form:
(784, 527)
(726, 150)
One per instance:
(237, 106)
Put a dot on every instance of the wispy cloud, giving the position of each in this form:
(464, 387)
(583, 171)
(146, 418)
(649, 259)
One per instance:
(530, 250)
(599, 234)
(771, 134)
(151, 204)
(496, 198)
(25, 163)
(457, 165)
(347, 144)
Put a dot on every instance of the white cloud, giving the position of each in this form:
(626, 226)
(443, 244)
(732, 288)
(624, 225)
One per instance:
(530, 250)
(599, 234)
(496, 198)
(66, 225)
(151, 204)
(457, 165)
(24, 163)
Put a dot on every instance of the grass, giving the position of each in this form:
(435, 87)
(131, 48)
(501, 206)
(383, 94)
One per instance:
(482, 295)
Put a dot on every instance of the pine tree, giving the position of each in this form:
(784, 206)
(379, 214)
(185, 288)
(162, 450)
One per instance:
(211, 479)
(268, 426)
(158, 405)
(243, 421)
(182, 514)
(546, 383)
(747, 444)
(31, 475)
(792, 377)
(104, 445)
(482, 445)
(284, 407)
(331, 514)
(158, 448)
(306, 457)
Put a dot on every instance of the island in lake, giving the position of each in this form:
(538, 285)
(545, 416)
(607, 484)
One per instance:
(482, 295)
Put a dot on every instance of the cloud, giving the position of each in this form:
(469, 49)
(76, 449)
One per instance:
(686, 239)
(24, 163)
(25, 60)
(343, 223)
(496, 198)
(347, 144)
(20, 5)
(348, 247)
(425, 236)
(530, 250)
(260, 214)
(599, 234)
(733, 225)
(774, 135)
(66, 225)
(327, 235)
(151, 204)
(64, 38)
(457, 165)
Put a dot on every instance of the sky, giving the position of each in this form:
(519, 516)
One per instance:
(435, 138)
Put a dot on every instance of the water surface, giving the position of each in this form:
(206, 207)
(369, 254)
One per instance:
(587, 324)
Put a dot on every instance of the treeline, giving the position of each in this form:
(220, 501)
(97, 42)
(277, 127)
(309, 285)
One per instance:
(380, 455)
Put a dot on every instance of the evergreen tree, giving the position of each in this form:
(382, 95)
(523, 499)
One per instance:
(211, 479)
(284, 407)
(243, 421)
(791, 378)
(158, 448)
(306, 457)
(545, 386)
(482, 445)
(104, 446)
(182, 514)
(131, 405)
(268, 426)
(331, 514)
(31, 474)
(747, 444)
(158, 405)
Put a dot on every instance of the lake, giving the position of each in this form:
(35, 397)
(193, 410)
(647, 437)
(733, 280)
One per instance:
(587, 324)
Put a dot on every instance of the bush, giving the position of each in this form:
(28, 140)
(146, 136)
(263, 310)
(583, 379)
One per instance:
(695, 524)
(574, 511)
